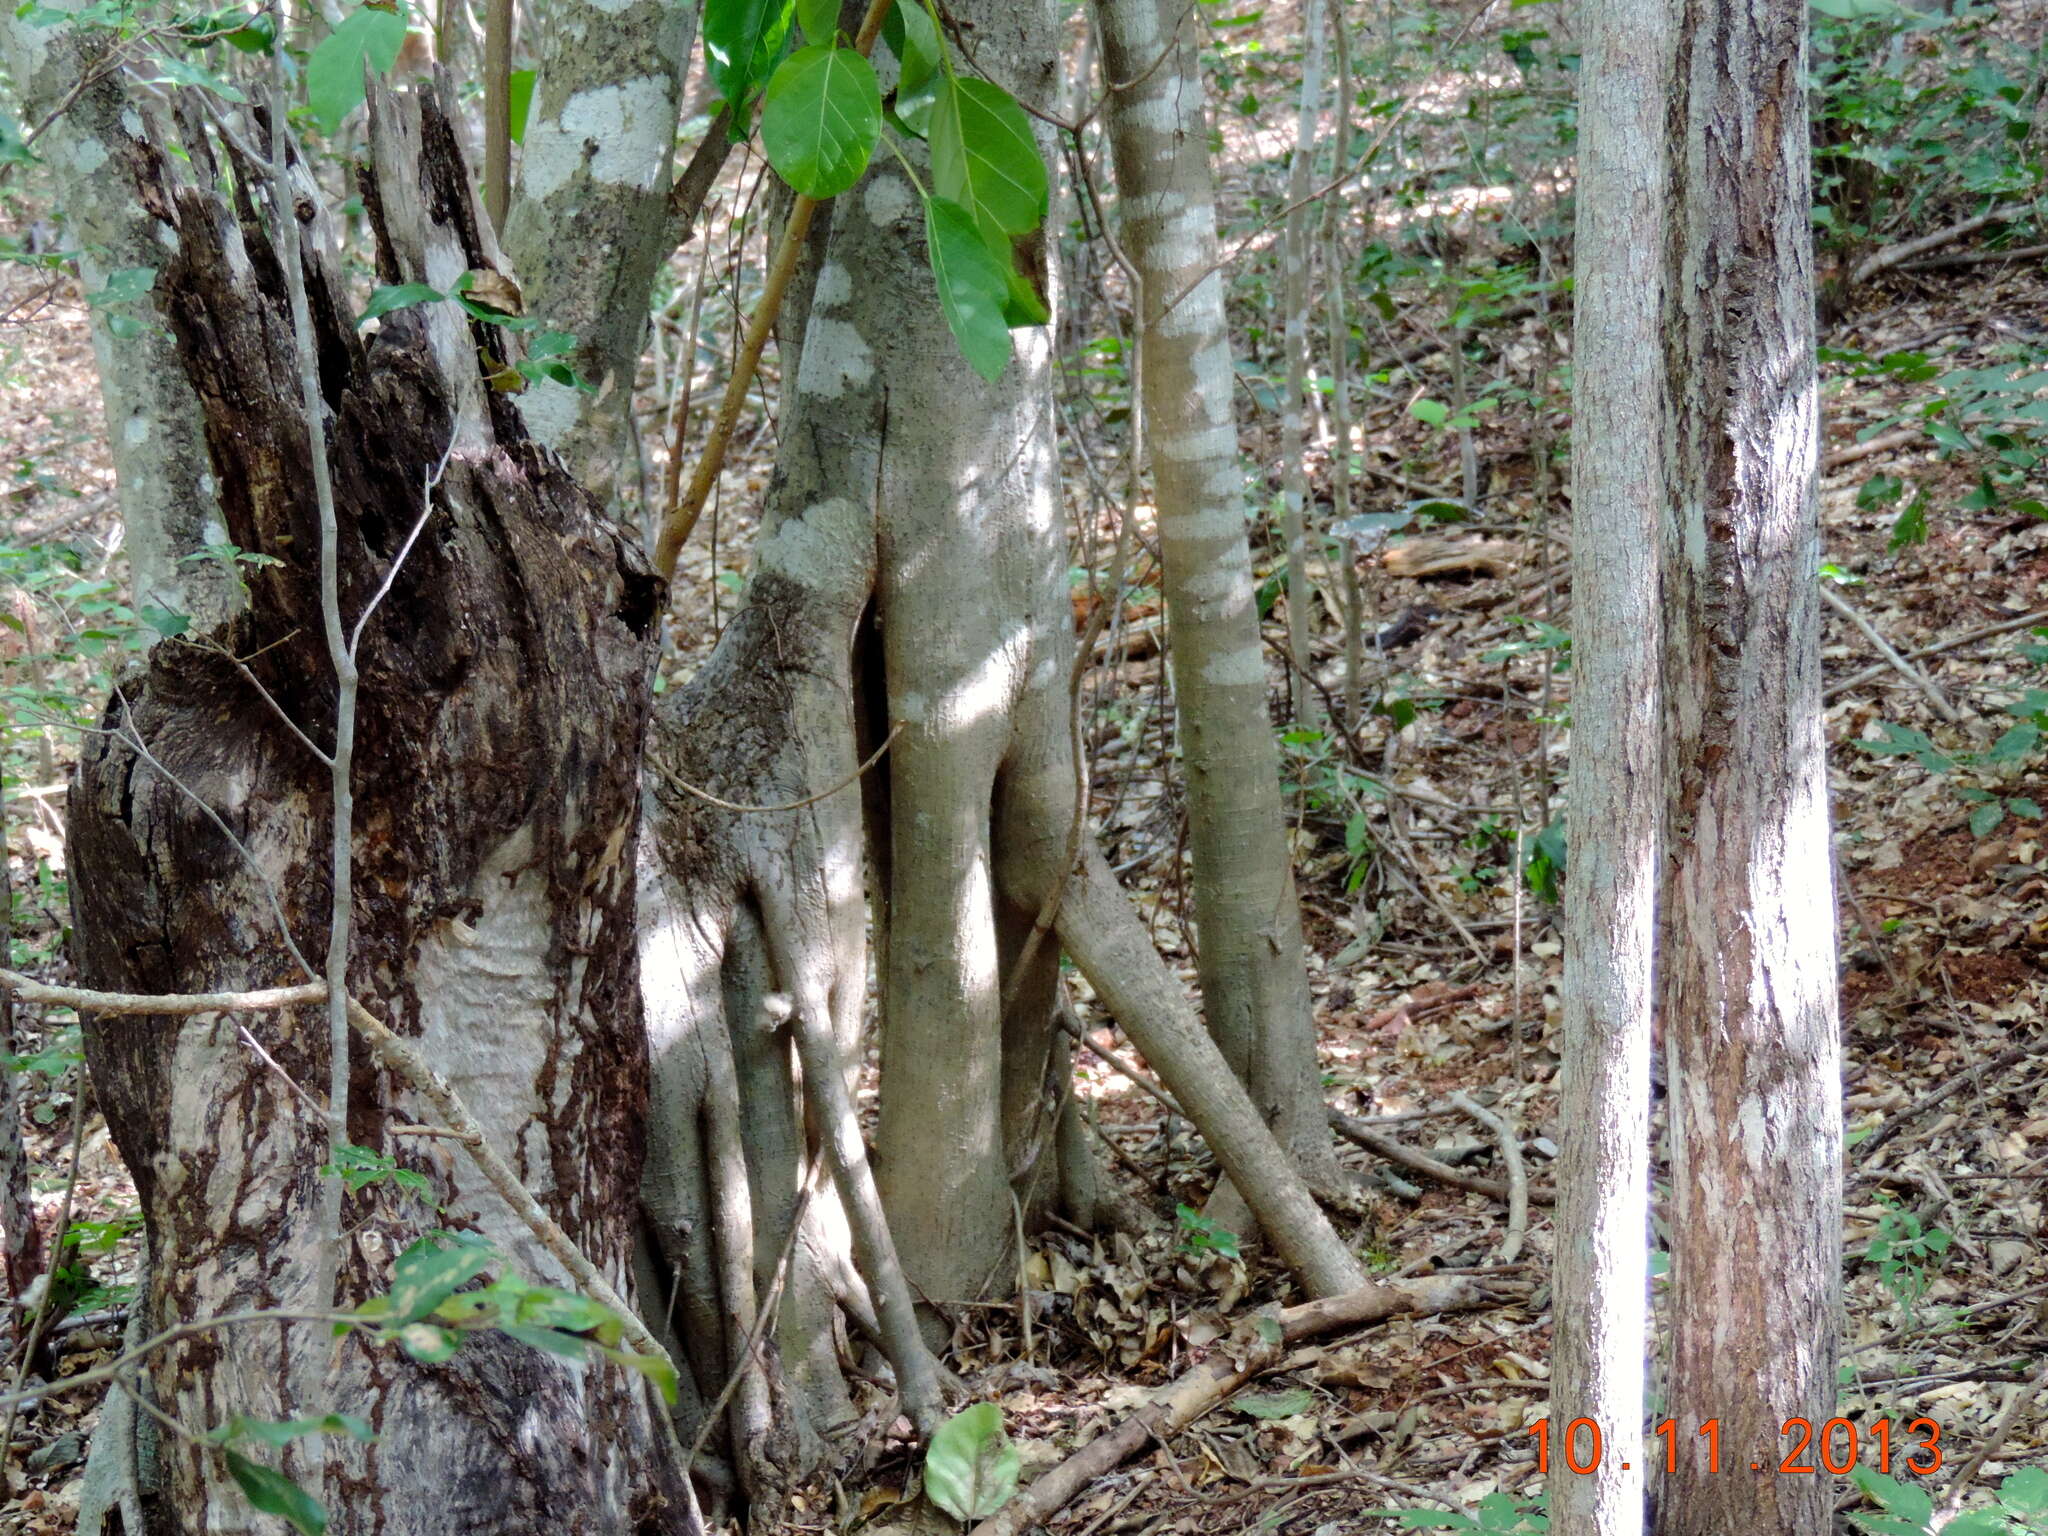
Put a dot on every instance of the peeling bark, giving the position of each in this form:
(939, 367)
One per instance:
(1749, 987)
(503, 697)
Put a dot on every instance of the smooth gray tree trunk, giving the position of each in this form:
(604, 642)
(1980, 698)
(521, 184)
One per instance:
(1748, 978)
(170, 507)
(1614, 800)
(1247, 918)
(587, 229)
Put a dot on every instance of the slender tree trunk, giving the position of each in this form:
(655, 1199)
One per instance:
(589, 219)
(504, 691)
(1615, 804)
(170, 506)
(1254, 984)
(21, 1240)
(1749, 972)
(1298, 259)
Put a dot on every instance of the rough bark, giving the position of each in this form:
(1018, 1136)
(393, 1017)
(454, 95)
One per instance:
(1614, 800)
(1748, 983)
(588, 225)
(169, 498)
(1254, 984)
(503, 697)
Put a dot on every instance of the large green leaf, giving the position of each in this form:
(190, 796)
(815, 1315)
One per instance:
(970, 1468)
(334, 71)
(275, 1494)
(819, 19)
(985, 159)
(427, 1274)
(914, 39)
(972, 285)
(821, 119)
(740, 39)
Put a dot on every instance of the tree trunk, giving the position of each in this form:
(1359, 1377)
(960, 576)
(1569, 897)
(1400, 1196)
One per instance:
(504, 693)
(1297, 259)
(1254, 983)
(170, 506)
(1618, 464)
(587, 229)
(1749, 975)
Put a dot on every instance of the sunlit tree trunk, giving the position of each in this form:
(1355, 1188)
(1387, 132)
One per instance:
(1615, 796)
(590, 211)
(1749, 985)
(504, 693)
(1247, 919)
(169, 499)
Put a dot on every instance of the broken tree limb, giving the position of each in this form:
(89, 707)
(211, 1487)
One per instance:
(1181, 1402)
(1518, 1177)
(1353, 1129)
(1988, 632)
(1898, 663)
(1884, 442)
(1099, 929)
(1898, 255)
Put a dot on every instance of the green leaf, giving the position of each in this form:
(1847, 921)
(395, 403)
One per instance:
(1435, 412)
(1985, 819)
(1978, 1522)
(657, 1370)
(277, 1434)
(426, 1274)
(176, 71)
(740, 37)
(275, 1494)
(821, 119)
(398, 296)
(1911, 527)
(973, 286)
(2020, 805)
(334, 70)
(1902, 1499)
(2015, 744)
(917, 47)
(985, 159)
(1275, 1405)
(519, 101)
(2025, 1493)
(552, 1340)
(123, 287)
(971, 1468)
(819, 19)
(426, 1342)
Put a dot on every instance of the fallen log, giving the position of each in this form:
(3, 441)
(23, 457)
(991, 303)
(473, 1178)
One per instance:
(1229, 1366)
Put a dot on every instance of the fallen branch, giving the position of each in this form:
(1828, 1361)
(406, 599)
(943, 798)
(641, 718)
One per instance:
(1884, 442)
(1975, 258)
(1518, 1176)
(1360, 1132)
(1898, 255)
(1898, 663)
(265, 1000)
(1181, 1402)
(1988, 632)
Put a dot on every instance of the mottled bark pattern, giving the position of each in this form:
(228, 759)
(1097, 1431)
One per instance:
(1749, 974)
(168, 505)
(503, 698)
(588, 218)
(1247, 918)
(1615, 796)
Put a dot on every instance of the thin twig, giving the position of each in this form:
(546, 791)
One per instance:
(1987, 632)
(708, 798)
(1898, 663)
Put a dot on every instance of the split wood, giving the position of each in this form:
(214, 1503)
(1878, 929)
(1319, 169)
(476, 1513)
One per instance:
(1228, 1367)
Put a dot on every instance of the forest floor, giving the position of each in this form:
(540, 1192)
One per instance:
(1435, 964)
